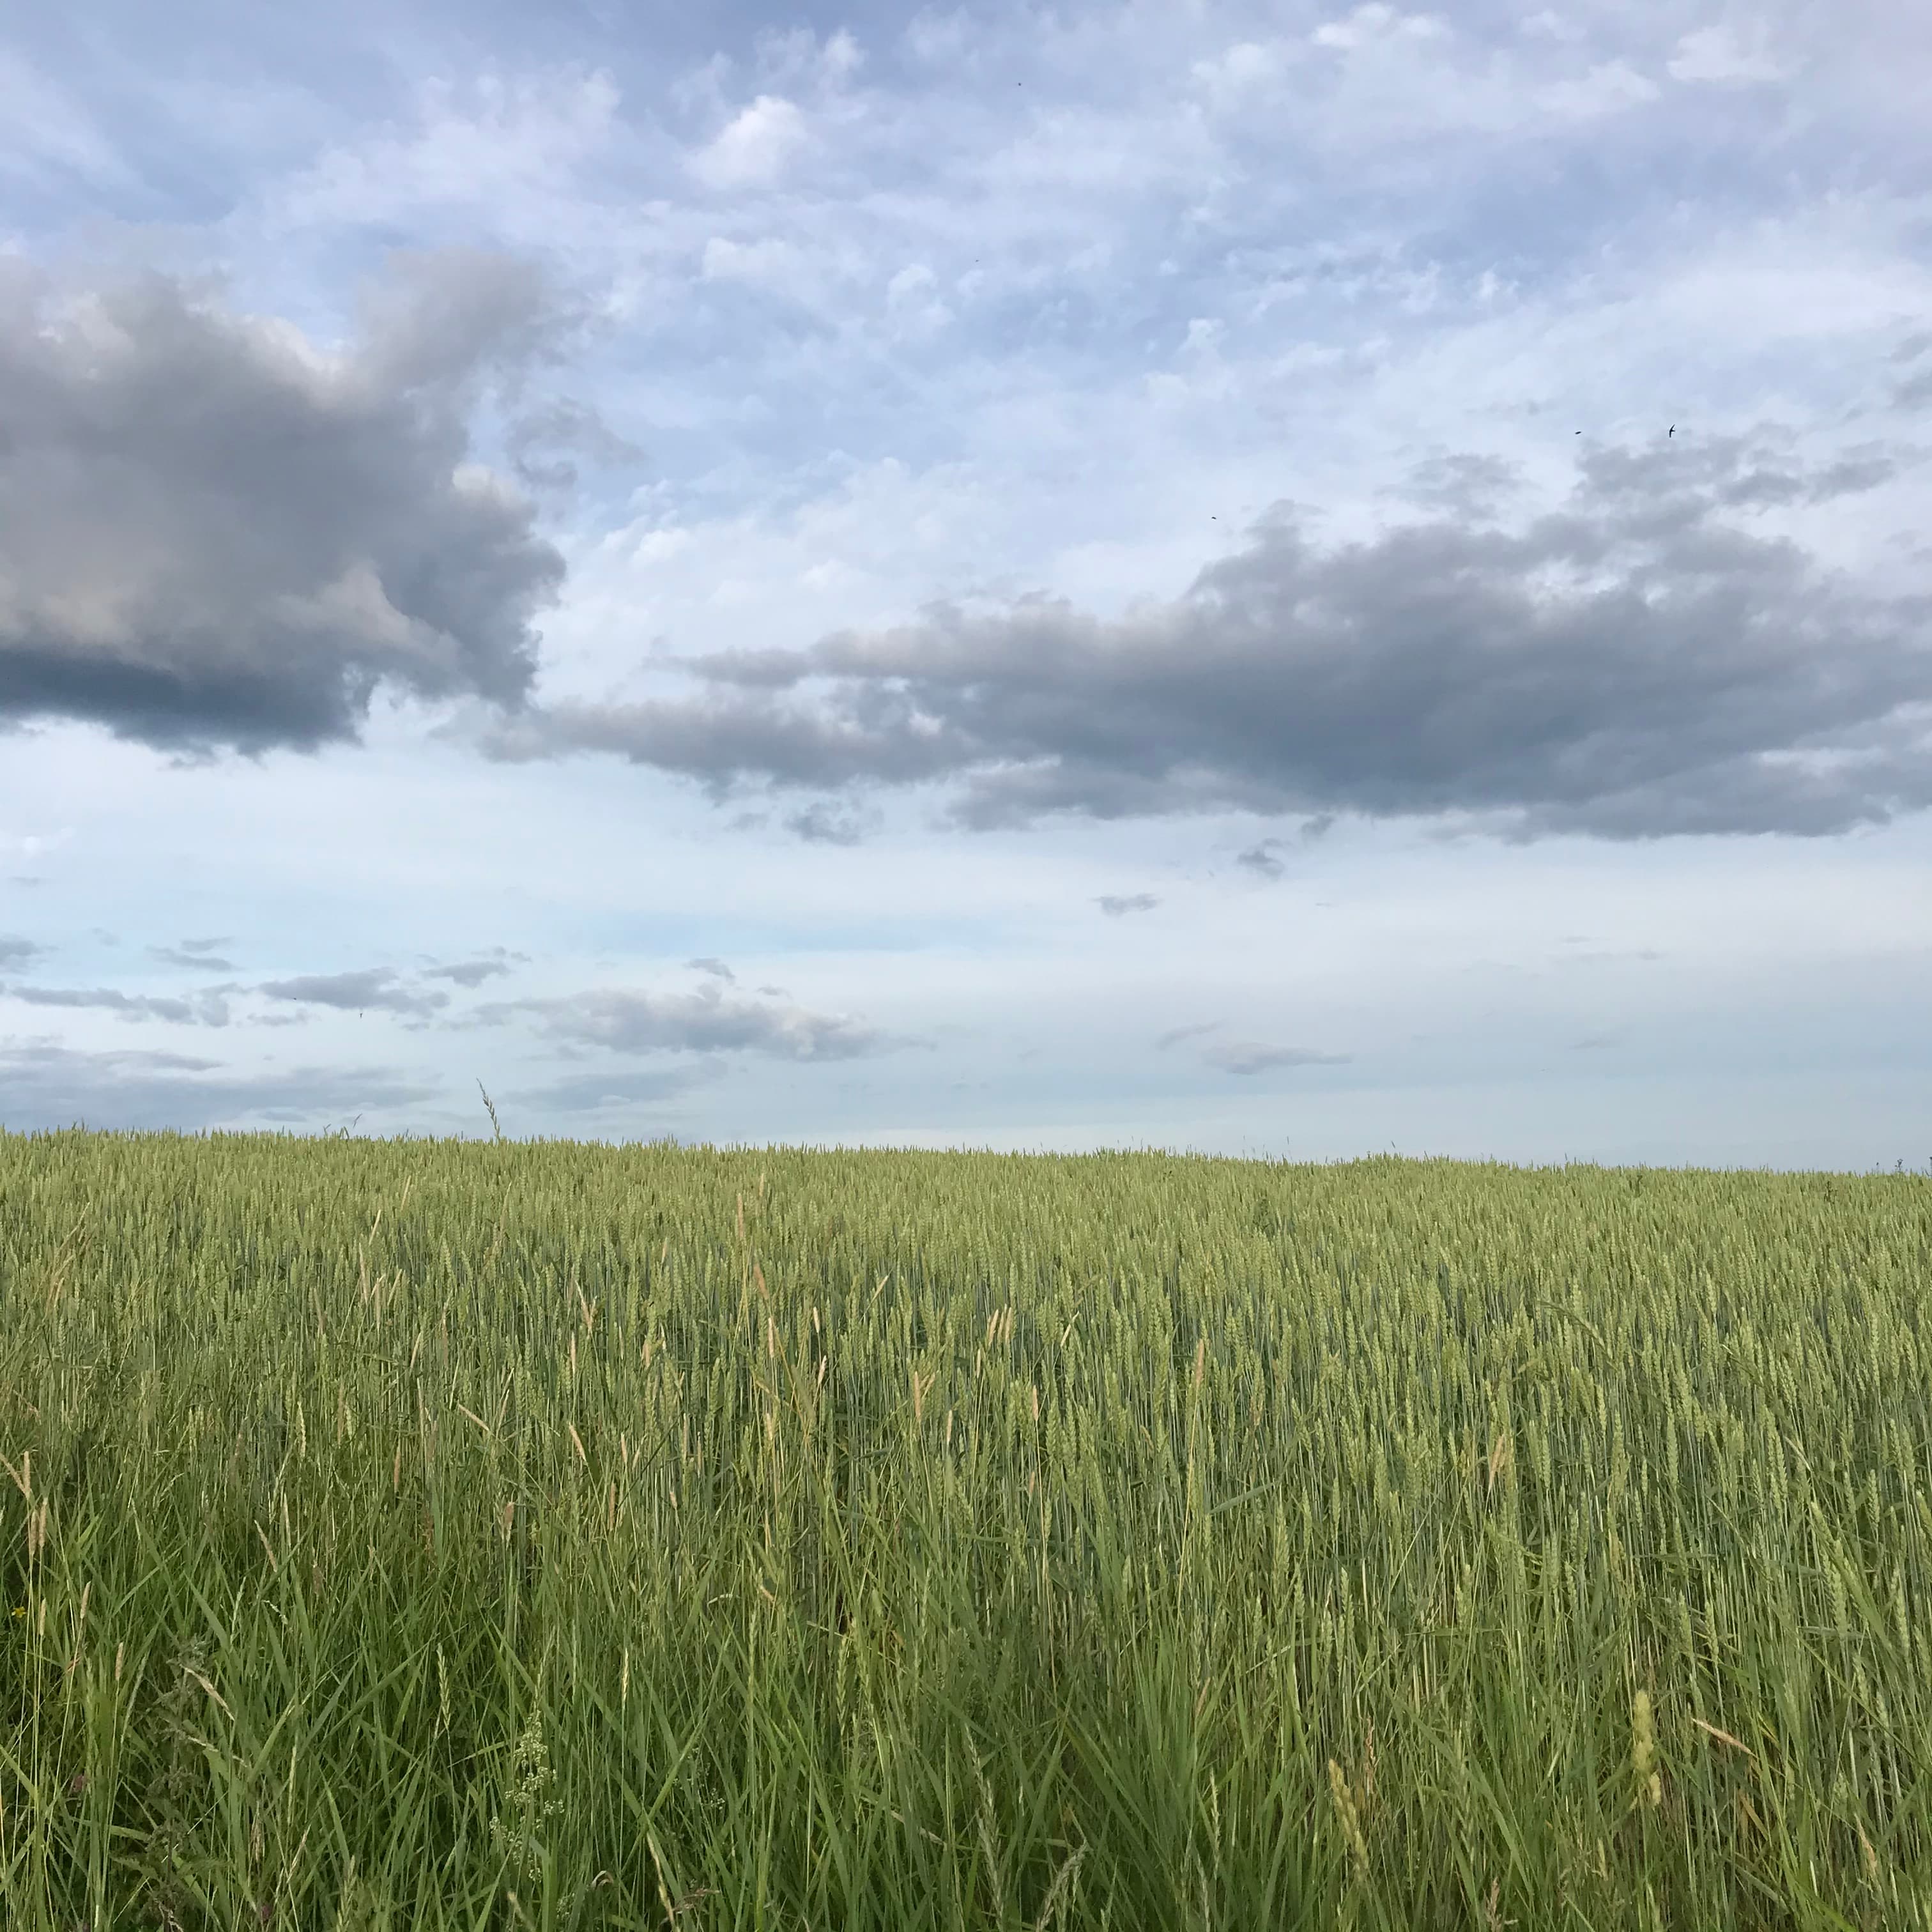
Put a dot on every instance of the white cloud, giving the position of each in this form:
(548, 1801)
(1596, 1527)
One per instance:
(1607, 89)
(1378, 26)
(754, 148)
(510, 147)
(798, 58)
(914, 302)
(767, 262)
(1246, 68)
(48, 132)
(1717, 55)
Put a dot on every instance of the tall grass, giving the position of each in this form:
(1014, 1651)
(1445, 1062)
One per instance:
(439, 1534)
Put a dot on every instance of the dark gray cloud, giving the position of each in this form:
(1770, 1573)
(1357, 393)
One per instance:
(355, 992)
(704, 1021)
(211, 537)
(209, 1007)
(1115, 907)
(1636, 664)
(472, 973)
(15, 951)
(44, 1085)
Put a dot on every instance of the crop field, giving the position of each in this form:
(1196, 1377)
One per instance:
(428, 1534)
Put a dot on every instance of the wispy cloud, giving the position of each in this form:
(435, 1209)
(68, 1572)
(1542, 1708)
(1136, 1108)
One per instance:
(374, 988)
(203, 955)
(612, 1088)
(706, 1021)
(208, 1008)
(1246, 1058)
(472, 972)
(49, 1085)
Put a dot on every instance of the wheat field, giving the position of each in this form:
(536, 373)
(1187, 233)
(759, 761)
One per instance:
(427, 1533)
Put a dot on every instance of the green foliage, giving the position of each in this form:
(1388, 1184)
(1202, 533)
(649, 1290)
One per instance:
(428, 1534)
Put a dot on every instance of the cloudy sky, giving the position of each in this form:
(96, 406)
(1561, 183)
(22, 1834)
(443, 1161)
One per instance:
(1288, 579)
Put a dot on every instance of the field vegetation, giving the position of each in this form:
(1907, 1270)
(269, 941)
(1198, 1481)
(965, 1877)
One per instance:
(439, 1534)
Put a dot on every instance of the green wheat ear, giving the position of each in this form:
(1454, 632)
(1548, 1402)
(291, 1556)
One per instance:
(1643, 1752)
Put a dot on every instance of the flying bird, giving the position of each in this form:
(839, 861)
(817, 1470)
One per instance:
(1671, 432)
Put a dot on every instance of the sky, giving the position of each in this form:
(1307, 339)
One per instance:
(1293, 580)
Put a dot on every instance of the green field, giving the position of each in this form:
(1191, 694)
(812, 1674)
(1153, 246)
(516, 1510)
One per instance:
(424, 1533)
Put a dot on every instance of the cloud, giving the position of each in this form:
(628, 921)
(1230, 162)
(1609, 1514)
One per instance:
(1716, 55)
(588, 1093)
(716, 968)
(1247, 1057)
(45, 1085)
(50, 135)
(199, 953)
(752, 148)
(15, 951)
(820, 825)
(514, 151)
(1635, 663)
(1179, 1033)
(472, 973)
(211, 534)
(701, 1022)
(1115, 906)
(207, 1008)
(1261, 858)
(355, 992)
(564, 428)
(1468, 487)
(1913, 392)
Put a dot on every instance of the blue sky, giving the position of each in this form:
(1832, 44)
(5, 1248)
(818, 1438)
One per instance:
(1280, 579)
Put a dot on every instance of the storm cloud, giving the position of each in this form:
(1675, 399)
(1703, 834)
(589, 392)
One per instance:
(1637, 663)
(214, 535)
